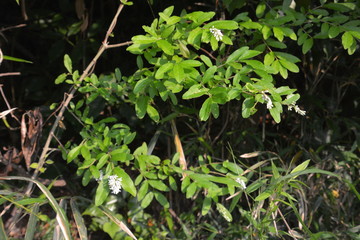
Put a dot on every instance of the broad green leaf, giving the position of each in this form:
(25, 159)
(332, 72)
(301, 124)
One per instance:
(205, 110)
(274, 170)
(206, 206)
(190, 190)
(223, 24)
(153, 113)
(347, 40)
(161, 199)
(142, 84)
(141, 106)
(251, 25)
(166, 47)
(278, 33)
(190, 64)
(73, 153)
(194, 37)
(287, 56)
(68, 63)
(266, 32)
(209, 74)
(163, 69)
(127, 182)
(159, 185)
(178, 72)
(102, 192)
(143, 190)
(334, 31)
(215, 110)
(236, 55)
(147, 200)
(269, 58)
(224, 212)
(141, 39)
(260, 9)
(276, 111)
(308, 43)
(206, 60)
(195, 91)
(247, 106)
(61, 78)
(289, 65)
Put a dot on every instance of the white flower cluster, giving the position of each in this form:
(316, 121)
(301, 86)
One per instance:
(115, 184)
(216, 33)
(241, 182)
(296, 109)
(267, 99)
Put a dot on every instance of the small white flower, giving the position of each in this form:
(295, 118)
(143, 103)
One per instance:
(241, 182)
(101, 177)
(267, 99)
(115, 184)
(297, 109)
(216, 33)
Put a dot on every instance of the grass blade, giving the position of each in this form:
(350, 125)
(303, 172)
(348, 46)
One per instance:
(31, 226)
(78, 220)
(61, 217)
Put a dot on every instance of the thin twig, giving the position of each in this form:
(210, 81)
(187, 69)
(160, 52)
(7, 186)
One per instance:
(10, 74)
(119, 44)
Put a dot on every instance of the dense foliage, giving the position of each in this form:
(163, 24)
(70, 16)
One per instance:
(233, 120)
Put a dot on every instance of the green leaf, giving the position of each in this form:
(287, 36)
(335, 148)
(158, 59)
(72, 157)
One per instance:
(276, 111)
(141, 39)
(127, 182)
(142, 84)
(206, 60)
(278, 33)
(205, 110)
(190, 190)
(266, 32)
(236, 55)
(247, 107)
(73, 153)
(251, 25)
(163, 69)
(14, 59)
(166, 47)
(260, 9)
(195, 91)
(308, 43)
(206, 206)
(223, 24)
(301, 167)
(68, 63)
(141, 106)
(224, 212)
(347, 40)
(262, 196)
(194, 37)
(159, 185)
(289, 65)
(147, 200)
(161, 199)
(153, 113)
(61, 78)
(209, 74)
(334, 31)
(178, 72)
(102, 192)
(143, 190)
